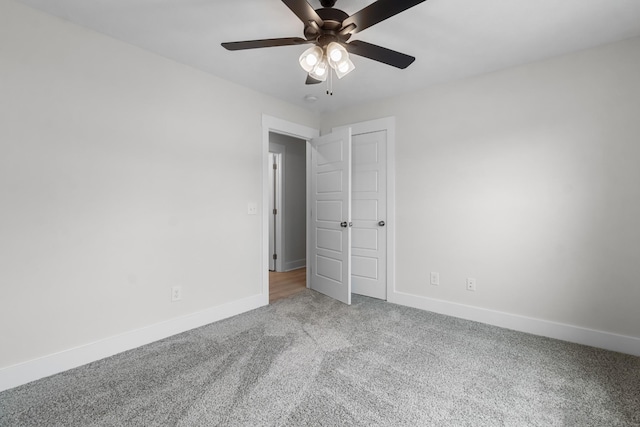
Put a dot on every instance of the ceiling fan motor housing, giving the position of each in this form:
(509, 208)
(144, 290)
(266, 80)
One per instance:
(327, 3)
(330, 29)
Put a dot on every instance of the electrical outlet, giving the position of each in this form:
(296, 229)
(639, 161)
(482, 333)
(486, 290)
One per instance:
(435, 278)
(471, 284)
(252, 208)
(176, 293)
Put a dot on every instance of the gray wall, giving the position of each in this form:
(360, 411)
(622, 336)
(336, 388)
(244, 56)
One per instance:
(528, 180)
(122, 174)
(295, 190)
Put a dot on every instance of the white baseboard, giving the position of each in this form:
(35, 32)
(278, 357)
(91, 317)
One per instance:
(545, 328)
(294, 265)
(22, 373)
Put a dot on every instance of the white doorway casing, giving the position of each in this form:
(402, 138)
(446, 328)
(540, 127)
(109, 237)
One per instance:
(283, 127)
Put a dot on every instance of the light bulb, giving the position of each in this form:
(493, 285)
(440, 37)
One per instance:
(343, 67)
(336, 54)
(320, 71)
(310, 58)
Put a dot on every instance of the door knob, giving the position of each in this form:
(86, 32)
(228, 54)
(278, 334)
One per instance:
(381, 223)
(343, 224)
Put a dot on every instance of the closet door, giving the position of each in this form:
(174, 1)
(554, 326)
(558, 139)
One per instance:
(331, 215)
(369, 215)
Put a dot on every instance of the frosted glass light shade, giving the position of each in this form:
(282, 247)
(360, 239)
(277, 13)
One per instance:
(310, 58)
(321, 70)
(337, 54)
(344, 68)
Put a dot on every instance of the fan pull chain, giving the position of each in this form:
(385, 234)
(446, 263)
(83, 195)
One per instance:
(330, 84)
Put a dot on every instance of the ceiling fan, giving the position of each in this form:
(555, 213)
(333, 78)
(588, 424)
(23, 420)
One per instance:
(329, 30)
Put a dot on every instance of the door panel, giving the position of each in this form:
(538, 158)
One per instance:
(369, 208)
(365, 210)
(331, 206)
(362, 238)
(366, 152)
(329, 210)
(365, 181)
(329, 239)
(329, 182)
(365, 267)
(329, 268)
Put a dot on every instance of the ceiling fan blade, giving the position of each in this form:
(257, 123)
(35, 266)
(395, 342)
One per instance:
(256, 44)
(311, 81)
(377, 12)
(380, 54)
(304, 11)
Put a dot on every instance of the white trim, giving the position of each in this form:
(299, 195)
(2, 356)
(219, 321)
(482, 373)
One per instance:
(273, 124)
(308, 212)
(545, 328)
(387, 124)
(22, 373)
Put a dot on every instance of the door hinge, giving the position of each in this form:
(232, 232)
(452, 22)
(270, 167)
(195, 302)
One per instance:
(275, 166)
(275, 256)
(275, 211)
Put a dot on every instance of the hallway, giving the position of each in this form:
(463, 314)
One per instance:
(284, 285)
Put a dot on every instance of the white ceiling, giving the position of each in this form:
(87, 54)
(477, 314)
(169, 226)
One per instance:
(451, 39)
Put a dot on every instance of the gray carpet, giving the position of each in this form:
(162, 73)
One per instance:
(309, 360)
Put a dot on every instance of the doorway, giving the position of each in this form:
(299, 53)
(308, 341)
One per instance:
(287, 284)
(287, 215)
(385, 275)
(287, 202)
(273, 125)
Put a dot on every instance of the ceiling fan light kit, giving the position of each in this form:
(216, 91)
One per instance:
(315, 59)
(329, 30)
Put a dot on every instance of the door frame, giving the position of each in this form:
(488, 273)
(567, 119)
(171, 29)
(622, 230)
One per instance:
(284, 127)
(387, 124)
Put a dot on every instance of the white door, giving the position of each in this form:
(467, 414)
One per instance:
(330, 248)
(369, 209)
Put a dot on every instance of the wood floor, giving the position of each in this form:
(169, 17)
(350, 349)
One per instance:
(284, 285)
